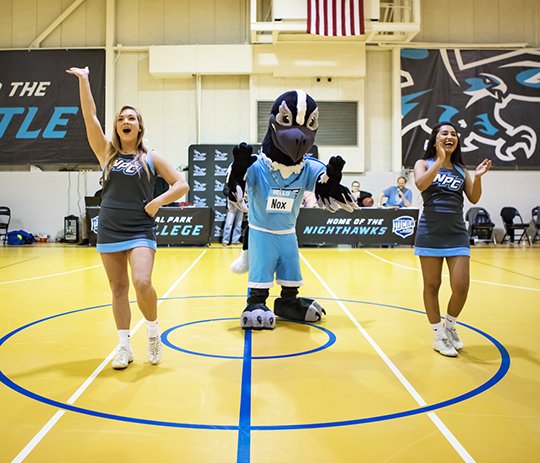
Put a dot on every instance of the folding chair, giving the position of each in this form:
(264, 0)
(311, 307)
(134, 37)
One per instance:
(480, 225)
(513, 222)
(535, 213)
(5, 218)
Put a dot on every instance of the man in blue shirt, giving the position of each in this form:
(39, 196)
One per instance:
(397, 196)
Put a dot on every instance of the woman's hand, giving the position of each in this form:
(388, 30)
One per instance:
(79, 72)
(441, 152)
(483, 167)
(152, 208)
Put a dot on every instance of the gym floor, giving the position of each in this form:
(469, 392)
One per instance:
(362, 385)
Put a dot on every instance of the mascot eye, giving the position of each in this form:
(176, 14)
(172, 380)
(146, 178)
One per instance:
(284, 117)
(313, 121)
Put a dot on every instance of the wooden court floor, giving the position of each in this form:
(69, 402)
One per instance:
(362, 386)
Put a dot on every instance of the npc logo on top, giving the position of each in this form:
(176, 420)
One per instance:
(403, 226)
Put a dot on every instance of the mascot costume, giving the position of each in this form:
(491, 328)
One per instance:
(276, 179)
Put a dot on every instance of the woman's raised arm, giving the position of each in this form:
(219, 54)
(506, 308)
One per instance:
(94, 132)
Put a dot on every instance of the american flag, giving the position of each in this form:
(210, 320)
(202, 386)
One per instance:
(335, 17)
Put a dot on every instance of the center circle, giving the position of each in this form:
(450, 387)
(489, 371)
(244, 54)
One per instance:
(168, 343)
(498, 376)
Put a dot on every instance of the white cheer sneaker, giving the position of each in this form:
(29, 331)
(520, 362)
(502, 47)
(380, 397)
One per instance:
(454, 338)
(444, 347)
(123, 358)
(154, 350)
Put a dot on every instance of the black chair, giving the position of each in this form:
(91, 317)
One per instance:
(513, 222)
(5, 218)
(480, 225)
(535, 213)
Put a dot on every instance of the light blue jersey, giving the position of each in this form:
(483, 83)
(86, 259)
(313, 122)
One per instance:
(274, 205)
(275, 201)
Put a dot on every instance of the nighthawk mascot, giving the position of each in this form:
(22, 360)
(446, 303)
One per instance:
(276, 179)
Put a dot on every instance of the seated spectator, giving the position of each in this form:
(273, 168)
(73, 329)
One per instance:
(396, 196)
(361, 196)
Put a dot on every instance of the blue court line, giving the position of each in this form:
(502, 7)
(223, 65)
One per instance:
(498, 376)
(244, 424)
(165, 339)
(85, 411)
(245, 414)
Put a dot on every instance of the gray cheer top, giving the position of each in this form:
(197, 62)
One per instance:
(441, 228)
(123, 223)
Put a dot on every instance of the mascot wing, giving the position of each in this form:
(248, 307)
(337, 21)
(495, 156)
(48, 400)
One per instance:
(236, 181)
(330, 194)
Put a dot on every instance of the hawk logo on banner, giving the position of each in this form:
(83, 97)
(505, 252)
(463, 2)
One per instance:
(490, 96)
(199, 202)
(198, 156)
(199, 186)
(199, 171)
(335, 17)
(220, 156)
(220, 216)
(218, 186)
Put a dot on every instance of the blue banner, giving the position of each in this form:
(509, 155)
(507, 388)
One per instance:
(40, 115)
(491, 96)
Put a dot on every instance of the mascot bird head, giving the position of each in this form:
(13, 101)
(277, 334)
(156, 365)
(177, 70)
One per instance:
(293, 123)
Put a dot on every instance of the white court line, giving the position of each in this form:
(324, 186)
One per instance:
(48, 426)
(492, 283)
(419, 400)
(50, 275)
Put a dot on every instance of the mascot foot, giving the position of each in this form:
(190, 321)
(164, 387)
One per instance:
(241, 265)
(257, 317)
(301, 309)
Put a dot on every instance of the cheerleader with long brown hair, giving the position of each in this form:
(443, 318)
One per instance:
(126, 227)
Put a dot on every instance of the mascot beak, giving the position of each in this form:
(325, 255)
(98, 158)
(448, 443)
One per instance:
(295, 141)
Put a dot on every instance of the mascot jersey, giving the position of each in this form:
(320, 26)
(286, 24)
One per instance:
(273, 209)
(274, 200)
